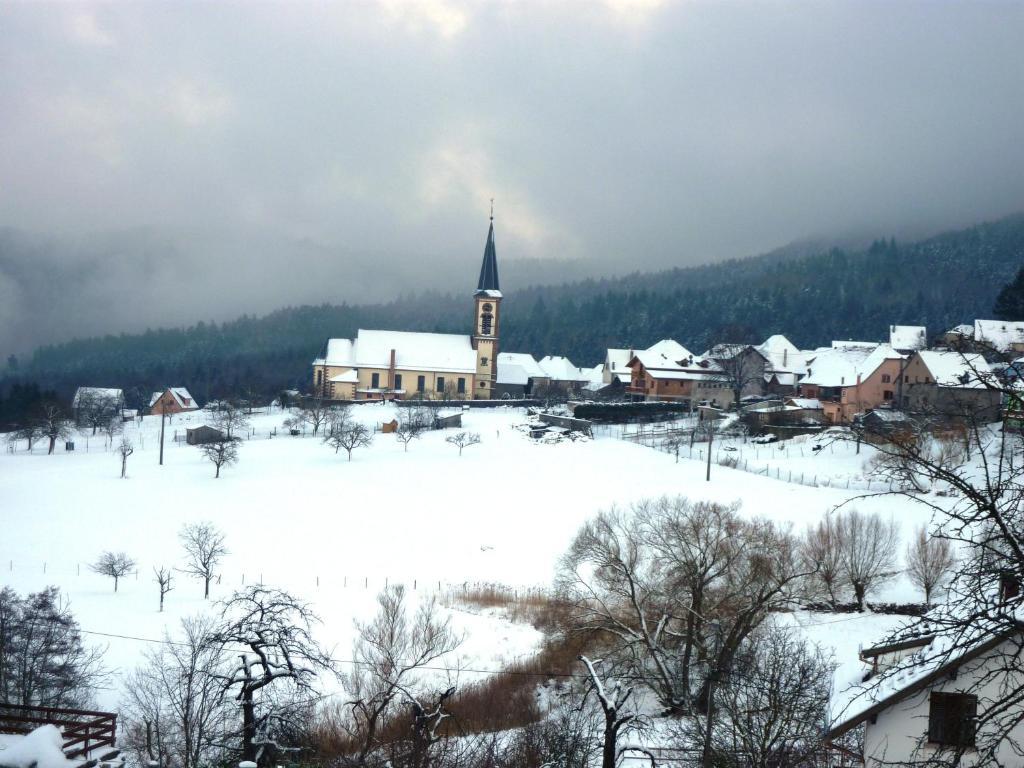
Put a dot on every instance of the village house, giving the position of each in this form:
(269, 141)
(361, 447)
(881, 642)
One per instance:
(953, 386)
(786, 365)
(744, 366)
(991, 338)
(919, 701)
(851, 377)
(560, 374)
(89, 400)
(616, 366)
(172, 400)
(517, 372)
(389, 365)
(668, 372)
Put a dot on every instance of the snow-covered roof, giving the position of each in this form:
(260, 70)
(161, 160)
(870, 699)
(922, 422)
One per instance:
(669, 349)
(964, 329)
(782, 354)
(559, 368)
(946, 640)
(447, 352)
(805, 403)
(350, 376)
(181, 396)
(1000, 334)
(909, 337)
(889, 415)
(96, 394)
(524, 360)
(339, 352)
(593, 376)
(617, 360)
(840, 344)
(840, 366)
(954, 369)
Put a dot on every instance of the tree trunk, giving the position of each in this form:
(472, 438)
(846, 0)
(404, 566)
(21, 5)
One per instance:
(206, 587)
(248, 727)
(53, 442)
(217, 473)
(858, 591)
(115, 583)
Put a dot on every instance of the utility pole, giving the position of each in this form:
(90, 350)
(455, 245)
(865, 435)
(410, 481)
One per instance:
(163, 418)
(711, 435)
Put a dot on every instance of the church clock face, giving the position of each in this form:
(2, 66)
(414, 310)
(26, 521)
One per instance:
(488, 308)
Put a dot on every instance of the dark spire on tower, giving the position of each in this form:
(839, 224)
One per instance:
(489, 269)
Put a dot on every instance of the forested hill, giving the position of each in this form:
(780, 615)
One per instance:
(811, 297)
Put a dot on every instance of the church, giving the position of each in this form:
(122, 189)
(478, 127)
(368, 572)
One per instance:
(390, 365)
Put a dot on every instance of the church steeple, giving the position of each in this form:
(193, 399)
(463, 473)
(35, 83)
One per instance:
(486, 323)
(489, 268)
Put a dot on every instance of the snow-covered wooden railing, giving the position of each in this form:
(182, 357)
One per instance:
(83, 729)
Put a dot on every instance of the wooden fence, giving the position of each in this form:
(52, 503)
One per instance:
(83, 729)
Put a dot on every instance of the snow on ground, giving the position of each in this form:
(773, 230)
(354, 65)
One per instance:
(298, 516)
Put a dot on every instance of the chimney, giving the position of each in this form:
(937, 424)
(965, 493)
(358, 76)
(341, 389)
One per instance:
(391, 371)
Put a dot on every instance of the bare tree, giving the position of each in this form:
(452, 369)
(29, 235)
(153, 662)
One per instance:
(390, 653)
(27, 432)
(868, 546)
(53, 424)
(977, 503)
(221, 452)
(205, 548)
(113, 564)
(412, 423)
(658, 583)
(97, 409)
(176, 711)
(163, 577)
(613, 698)
(822, 552)
(739, 367)
(113, 427)
(124, 450)
(350, 435)
(770, 706)
(43, 661)
(463, 440)
(316, 412)
(930, 562)
(231, 419)
(280, 659)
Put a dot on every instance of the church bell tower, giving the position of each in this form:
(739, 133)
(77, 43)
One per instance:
(487, 300)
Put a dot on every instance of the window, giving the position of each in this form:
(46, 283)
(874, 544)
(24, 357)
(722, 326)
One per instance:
(951, 719)
(1009, 586)
(886, 378)
(483, 362)
(462, 385)
(375, 381)
(398, 381)
(906, 379)
(320, 377)
(887, 395)
(486, 320)
(421, 383)
(440, 383)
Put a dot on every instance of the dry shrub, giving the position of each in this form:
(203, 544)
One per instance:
(535, 606)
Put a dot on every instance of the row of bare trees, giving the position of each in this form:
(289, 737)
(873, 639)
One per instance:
(205, 549)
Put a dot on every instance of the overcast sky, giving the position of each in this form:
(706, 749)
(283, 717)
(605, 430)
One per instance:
(157, 149)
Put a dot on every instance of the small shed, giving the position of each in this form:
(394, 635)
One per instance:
(452, 420)
(389, 427)
(202, 435)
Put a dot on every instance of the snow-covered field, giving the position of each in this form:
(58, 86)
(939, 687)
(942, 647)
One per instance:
(301, 517)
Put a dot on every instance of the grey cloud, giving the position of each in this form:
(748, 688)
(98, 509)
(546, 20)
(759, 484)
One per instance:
(359, 143)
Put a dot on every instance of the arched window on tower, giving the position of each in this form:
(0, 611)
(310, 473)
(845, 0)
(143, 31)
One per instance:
(486, 322)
